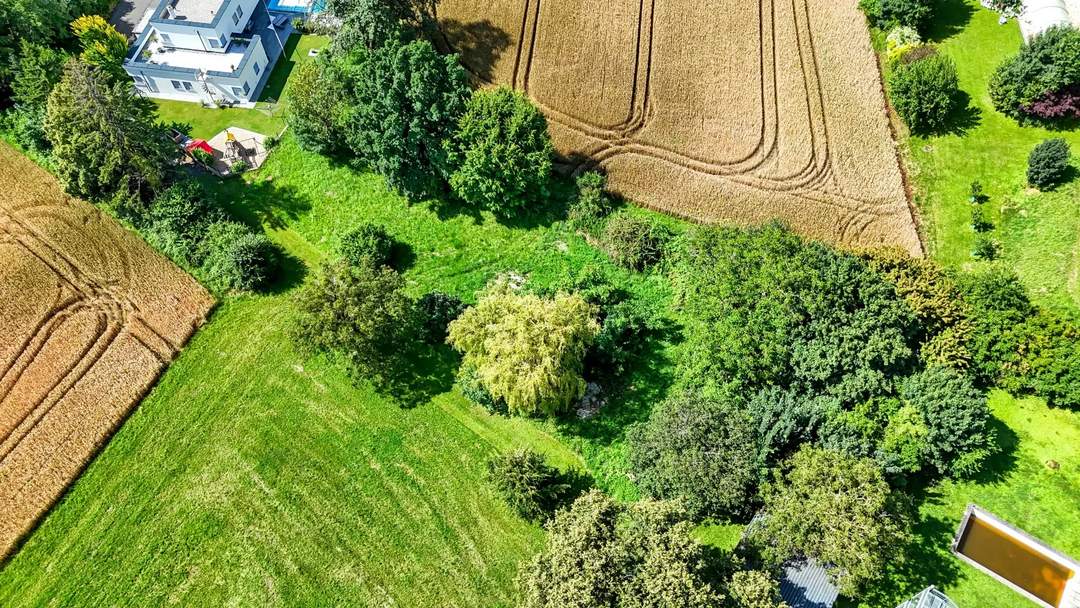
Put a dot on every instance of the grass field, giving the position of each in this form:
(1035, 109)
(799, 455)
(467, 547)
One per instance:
(268, 116)
(1039, 232)
(253, 475)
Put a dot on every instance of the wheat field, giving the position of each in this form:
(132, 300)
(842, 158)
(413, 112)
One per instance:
(91, 315)
(721, 111)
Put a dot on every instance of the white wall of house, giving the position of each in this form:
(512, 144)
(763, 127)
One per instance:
(185, 87)
(200, 38)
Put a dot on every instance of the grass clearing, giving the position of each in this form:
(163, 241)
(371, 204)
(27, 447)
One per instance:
(1039, 232)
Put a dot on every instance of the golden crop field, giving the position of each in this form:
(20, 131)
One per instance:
(735, 111)
(89, 316)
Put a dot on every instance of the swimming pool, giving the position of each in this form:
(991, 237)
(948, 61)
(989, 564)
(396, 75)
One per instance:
(296, 6)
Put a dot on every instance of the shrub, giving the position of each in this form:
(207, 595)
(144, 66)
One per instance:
(179, 219)
(367, 244)
(102, 46)
(360, 313)
(979, 223)
(887, 14)
(235, 258)
(986, 248)
(1054, 106)
(1048, 163)
(956, 418)
(977, 196)
(702, 451)
(437, 310)
(591, 205)
(203, 157)
(601, 554)
(472, 389)
(238, 166)
(532, 488)
(501, 152)
(819, 488)
(900, 40)
(925, 92)
(1049, 64)
(527, 350)
(635, 242)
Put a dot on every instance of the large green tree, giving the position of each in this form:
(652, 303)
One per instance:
(105, 137)
(527, 350)
(102, 46)
(702, 451)
(405, 103)
(501, 152)
(836, 509)
(316, 105)
(36, 71)
(602, 555)
(359, 313)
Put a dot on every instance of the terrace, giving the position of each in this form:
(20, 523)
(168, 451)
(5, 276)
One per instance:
(154, 52)
(197, 11)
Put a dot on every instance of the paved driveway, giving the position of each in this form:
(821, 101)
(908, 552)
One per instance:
(128, 14)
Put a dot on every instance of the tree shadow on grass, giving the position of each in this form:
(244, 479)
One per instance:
(1004, 460)
(964, 118)
(631, 397)
(259, 202)
(290, 273)
(275, 83)
(950, 18)
(925, 561)
(418, 374)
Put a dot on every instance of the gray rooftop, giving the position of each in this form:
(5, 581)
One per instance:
(198, 11)
(806, 584)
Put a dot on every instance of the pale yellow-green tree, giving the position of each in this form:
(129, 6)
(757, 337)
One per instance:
(102, 46)
(527, 350)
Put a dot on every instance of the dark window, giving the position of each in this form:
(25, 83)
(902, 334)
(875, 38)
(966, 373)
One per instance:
(247, 88)
(239, 12)
(257, 68)
(238, 91)
(176, 84)
(235, 19)
(223, 41)
(165, 38)
(187, 86)
(214, 44)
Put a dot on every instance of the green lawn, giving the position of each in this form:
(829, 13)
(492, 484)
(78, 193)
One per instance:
(1039, 232)
(268, 116)
(255, 476)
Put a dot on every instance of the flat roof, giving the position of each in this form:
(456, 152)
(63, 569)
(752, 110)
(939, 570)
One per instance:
(198, 60)
(199, 11)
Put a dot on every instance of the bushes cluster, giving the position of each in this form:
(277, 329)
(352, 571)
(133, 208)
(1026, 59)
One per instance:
(367, 244)
(529, 485)
(1042, 81)
(437, 311)
(399, 107)
(888, 14)
(591, 204)
(635, 242)
(228, 256)
(925, 92)
(1048, 164)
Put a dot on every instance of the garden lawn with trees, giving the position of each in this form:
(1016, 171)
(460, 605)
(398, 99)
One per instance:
(1038, 232)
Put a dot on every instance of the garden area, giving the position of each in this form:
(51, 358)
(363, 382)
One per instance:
(268, 115)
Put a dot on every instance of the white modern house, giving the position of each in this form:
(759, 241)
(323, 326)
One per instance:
(208, 51)
(1040, 15)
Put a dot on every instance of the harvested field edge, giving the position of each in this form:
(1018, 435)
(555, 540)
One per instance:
(92, 317)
